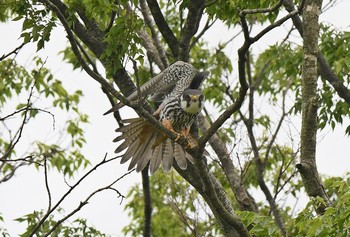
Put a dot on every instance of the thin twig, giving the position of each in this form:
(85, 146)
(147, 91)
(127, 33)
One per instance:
(262, 10)
(18, 135)
(206, 27)
(26, 108)
(15, 51)
(47, 184)
(71, 188)
(86, 201)
(136, 70)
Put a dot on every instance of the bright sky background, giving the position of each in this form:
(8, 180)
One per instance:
(26, 192)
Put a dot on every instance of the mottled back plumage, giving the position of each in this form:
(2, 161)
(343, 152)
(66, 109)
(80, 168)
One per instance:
(172, 81)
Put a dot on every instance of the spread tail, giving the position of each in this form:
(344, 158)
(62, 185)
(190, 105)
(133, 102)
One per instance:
(145, 143)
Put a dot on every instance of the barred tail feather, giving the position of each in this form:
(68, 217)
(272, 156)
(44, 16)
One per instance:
(145, 155)
(180, 156)
(190, 158)
(156, 159)
(167, 161)
(130, 131)
(141, 152)
(144, 143)
(130, 151)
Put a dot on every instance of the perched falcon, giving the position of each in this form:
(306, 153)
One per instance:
(177, 86)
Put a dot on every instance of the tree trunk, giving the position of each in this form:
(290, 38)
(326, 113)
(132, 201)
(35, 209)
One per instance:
(307, 166)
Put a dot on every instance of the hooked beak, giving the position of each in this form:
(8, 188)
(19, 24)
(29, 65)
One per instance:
(194, 98)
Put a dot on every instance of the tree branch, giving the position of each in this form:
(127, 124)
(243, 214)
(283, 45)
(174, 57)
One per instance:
(71, 188)
(262, 10)
(15, 51)
(150, 23)
(260, 166)
(212, 192)
(233, 177)
(241, 72)
(163, 27)
(93, 37)
(86, 201)
(207, 26)
(195, 12)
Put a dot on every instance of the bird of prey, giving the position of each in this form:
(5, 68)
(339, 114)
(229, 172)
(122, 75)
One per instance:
(177, 86)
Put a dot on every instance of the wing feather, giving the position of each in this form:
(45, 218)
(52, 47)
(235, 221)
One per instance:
(163, 83)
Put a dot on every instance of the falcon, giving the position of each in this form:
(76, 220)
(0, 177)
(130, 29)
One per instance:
(177, 88)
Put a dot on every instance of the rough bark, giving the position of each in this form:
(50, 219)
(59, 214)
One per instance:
(307, 166)
(163, 27)
(212, 192)
(195, 12)
(245, 201)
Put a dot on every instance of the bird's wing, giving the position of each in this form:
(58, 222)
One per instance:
(178, 75)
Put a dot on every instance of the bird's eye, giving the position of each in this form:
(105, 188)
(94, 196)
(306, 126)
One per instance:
(187, 97)
(201, 97)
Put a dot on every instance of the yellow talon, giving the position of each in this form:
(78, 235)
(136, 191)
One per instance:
(178, 136)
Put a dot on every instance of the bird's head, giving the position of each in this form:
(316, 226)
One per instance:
(192, 101)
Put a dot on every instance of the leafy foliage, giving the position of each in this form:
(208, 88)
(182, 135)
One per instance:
(334, 110)
(79, 226)
(20, 80)
(334, 222)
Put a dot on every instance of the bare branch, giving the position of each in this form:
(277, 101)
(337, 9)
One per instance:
(282, 171)
(29, 108)
(241, 72)
(71, 188)
(86, 201)
(18, 135)
(206, 27)
(195, 12)
(47, 185)
(150, 23)
(263, 10)
(279, 125)
(15, 51)
(163, 27)
(212, 192)
(274, 25)
(242, 91)
(231, 173)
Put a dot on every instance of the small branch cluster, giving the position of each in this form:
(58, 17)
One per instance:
(51, 208)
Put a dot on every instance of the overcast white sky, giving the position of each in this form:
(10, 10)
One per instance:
(25, 193)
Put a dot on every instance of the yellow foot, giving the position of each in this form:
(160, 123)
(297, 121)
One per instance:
(168, 124)
(178, 135)
(191, 142)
